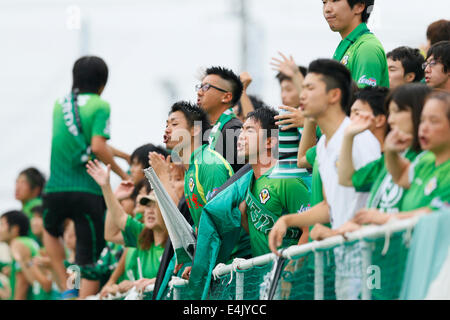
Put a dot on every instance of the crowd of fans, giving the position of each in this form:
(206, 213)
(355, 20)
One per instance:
(370, 131)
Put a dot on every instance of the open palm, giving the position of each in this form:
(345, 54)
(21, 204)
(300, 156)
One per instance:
(98, 173)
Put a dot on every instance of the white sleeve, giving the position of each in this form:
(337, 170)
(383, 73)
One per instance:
(366, 149)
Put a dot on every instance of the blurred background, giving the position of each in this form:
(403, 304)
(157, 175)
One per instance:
(155, 51)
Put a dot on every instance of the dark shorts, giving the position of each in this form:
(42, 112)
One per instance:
(88, 214)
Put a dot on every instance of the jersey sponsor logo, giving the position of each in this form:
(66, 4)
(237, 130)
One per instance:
(344, 60)
(69, 117)
(211, 193)
(191, 184)
(304, 208)
(370, 81)
(264, 196)
(431, 186)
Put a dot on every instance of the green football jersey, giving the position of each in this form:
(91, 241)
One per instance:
(149, 259)
(267, 200)
(384, 195)
(207, 171)
(363, 54)
(16, 267)
(430, 185)
(67, 168)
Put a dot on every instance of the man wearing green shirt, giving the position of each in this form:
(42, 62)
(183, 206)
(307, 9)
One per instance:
(14, 227)
(80, 131)
(360, 51)
(268, 199)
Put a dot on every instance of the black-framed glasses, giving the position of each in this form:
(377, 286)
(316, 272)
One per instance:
(432, 63)
(205, 87)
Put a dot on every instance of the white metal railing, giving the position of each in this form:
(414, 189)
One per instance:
(132, 294)
(368, 232)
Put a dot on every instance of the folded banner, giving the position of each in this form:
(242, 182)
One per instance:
(221, 237)
(180, 231)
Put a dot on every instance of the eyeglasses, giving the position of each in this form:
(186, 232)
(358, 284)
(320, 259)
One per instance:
(205, 87)
(432, 63)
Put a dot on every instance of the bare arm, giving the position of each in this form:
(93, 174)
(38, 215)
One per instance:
(397, 166)
(120, 154)
(116, 214)
(246, 103)
(307, 141)
(21, 288)
(346, 168)
(244, 216)
(105, 154)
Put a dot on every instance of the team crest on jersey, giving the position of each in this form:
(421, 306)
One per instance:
(431, 186)
(191, 184)
(344, 60)
(264, 196)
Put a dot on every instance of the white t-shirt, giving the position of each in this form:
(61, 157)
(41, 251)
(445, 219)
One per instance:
(344, 202)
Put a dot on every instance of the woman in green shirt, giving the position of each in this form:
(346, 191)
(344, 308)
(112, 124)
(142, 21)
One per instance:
(426, 178)
(405, 106)
(148, 237)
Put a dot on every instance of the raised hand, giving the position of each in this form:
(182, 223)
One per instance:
(246, 79)
(96, 171)
(291, 119)
(160, 164)
(397, 141)
(285, 65)
(124, 190)
(362, 122)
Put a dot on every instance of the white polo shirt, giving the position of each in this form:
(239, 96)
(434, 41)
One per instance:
(344, 202)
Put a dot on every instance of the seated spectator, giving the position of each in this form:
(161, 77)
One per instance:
(29, 186)
(148, 237)
(405, 66)
(437, 66)
(14, 230)
(37, 224)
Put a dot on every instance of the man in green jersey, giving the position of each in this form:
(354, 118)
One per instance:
(80, 131)
(360, 51)
(14, 228)
(268, 199)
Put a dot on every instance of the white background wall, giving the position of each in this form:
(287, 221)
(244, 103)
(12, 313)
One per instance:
(150, 46)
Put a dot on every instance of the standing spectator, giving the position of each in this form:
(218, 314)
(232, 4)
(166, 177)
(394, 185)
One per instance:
(360, 51)
(436, 32)
(405, 66)
(219, 92)
(324, 98)
(437, 66)
(81, 127)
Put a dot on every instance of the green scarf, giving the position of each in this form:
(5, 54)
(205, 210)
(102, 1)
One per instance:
(225, 117)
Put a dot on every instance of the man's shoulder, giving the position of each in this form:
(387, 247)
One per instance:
(368, 44)
(233, 124)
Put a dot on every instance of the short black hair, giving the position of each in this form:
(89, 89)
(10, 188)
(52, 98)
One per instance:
(438, 31)
(137, 188)
(141, 153)
(34, 177)
(17, 218)
(411, 97)
(375, 97)
(367, 10)
(90, 74)
(256, 102)
(281, 76)
(39, 210)
(266, 118)
(226, 74)
(193, 113)
(441, 53)
(411, 59)
(336, 76)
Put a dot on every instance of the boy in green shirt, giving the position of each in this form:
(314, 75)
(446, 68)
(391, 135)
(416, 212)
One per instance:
(360, 51)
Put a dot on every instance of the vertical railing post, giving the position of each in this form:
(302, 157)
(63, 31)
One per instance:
(318, 276)
(366, 292)
(239, 285)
